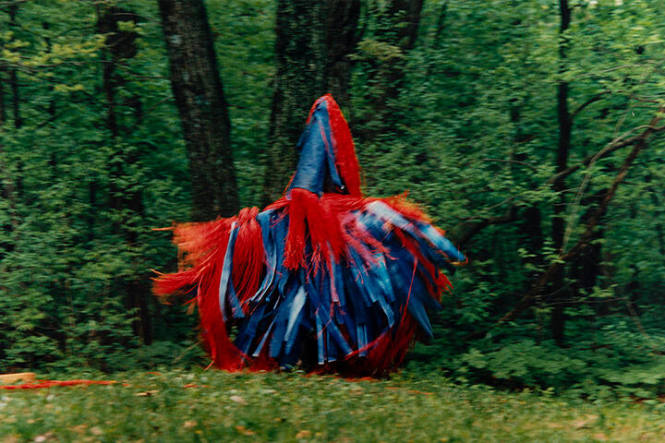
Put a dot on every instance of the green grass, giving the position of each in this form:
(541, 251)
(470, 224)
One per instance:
(294, 407)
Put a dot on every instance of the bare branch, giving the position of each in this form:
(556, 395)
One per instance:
(593, 99)
(640, 143)
(614, 145)
(469, 229)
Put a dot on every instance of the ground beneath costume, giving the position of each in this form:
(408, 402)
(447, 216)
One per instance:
(324, 277)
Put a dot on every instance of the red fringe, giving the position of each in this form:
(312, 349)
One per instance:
(197, 241)
(390, 352)
(294, 251)
(310, 215)
(263, 362)
(345, 153)
(213, 329)
(408, 209)
(248, 256)
(167, 284)
(204, 246)
(432, 272)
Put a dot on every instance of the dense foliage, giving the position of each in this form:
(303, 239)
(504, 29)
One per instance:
(531, 132)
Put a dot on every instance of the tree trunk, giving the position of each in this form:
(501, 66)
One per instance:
(126, 200)
(314, 41)
(557, 287)
(398, 24)
(342, 36)
(199, 96)
(585, 267)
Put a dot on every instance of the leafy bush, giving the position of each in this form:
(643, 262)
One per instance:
(614, 361)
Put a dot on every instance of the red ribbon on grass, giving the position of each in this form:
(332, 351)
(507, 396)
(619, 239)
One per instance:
(41, 384)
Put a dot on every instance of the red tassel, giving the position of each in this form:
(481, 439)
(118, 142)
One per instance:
(248, 256)
(50, 383)
(203, 246)
(309, 215)
(167, 284)
(326, 235)
(198, 241)
(263, 362)
(345, 153)
(294, 251)
(408, 209)
(440, 283)
(390, 353)
(213, 330)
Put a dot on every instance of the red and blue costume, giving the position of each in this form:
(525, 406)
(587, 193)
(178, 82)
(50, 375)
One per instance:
(324, 277)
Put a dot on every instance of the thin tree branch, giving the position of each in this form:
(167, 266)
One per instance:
(529, 298)
(469, 230)
(593, 99)
(614, 145)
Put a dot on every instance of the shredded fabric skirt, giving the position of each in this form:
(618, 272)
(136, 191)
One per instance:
(329, 283)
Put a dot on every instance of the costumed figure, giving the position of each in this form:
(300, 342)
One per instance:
(324, 277)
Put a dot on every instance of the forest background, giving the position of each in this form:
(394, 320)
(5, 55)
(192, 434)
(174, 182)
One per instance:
(532, 130)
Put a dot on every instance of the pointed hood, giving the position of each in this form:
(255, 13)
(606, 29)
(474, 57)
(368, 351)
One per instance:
(328, 160)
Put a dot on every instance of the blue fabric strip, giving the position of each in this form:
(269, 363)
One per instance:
(264, 219)
(323, 120)
(248, 330)
(441, 243)
(319, 338)
(294, 319)
(226, 269)
(263, 341)
(317, 156)
(294, 309)
(236, 308)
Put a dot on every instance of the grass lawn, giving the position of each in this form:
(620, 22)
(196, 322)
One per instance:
(216, 406)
